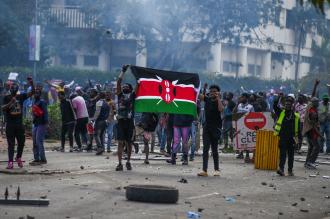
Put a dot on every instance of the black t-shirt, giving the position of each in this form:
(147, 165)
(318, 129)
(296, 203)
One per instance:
(212, 114)
(126, 106)
(14, 115)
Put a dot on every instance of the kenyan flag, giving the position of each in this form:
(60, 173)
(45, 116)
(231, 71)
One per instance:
(165, 91)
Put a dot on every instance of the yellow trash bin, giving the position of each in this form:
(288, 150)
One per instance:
(267, 151)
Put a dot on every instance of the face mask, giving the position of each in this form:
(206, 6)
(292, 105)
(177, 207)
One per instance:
(126, 91)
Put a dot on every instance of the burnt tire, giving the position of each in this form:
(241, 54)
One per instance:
(152, 193)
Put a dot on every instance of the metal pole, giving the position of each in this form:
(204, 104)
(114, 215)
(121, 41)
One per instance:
(35, 22)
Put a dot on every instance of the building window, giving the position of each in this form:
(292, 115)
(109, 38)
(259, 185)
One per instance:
(68, 60)
(230, 66)
(305, 59)
(91, 60)
(254, 70)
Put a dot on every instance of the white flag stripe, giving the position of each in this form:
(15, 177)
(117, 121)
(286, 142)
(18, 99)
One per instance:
(158, 98)
(255, 120)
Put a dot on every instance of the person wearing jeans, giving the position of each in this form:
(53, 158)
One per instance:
(111, 119)
(40, 122)
(100, 117)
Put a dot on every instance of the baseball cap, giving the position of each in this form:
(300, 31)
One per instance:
(325, 96)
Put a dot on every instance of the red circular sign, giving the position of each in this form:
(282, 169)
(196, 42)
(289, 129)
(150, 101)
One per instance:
(167, 94)
(255, 121)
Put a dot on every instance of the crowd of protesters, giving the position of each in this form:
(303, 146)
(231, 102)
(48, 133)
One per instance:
(104, 114)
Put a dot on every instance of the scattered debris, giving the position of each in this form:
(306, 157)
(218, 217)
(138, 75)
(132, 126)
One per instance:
(324, 187)
(280, 213)
(326, 177)
(271, 185)
(107, 157)
(304, 210)
(82, 167)
(187, 202)
(43, 197)
(327, 197)
(146, 178)
(312, 175)
(230, 199)
(29, 217)
(118, 188)
(200, 209)
(183, 180)
(193, 215)
(302, 199)
(295, 204)
(264, 183)
(115, 203)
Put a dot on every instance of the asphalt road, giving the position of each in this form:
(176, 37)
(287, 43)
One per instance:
(82, 185)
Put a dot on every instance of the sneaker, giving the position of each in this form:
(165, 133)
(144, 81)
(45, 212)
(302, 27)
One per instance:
(290, 173)
(185, 162)
(191, 159)
(119, 167)
(171, 161)
(128, 166)
(216, 173)
(146, 162)
(43, 161)
(62, 150)
(247, 160)
(240, 156)
(280, 172)
(99, 151)
(35, 162)
(109, 151)
(310, 166)
(71, 150)
(10, 165)
(203, 173)
(19, 162)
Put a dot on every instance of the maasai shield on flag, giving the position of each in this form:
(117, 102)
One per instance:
(165, 91)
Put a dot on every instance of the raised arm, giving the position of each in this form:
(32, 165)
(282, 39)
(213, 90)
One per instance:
(202, 95)
(120, 78)
(317, 82)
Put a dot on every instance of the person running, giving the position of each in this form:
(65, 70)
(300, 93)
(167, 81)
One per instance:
(40, 122)
(101, 115)
(212, 128)
(68, 117)
(13, 112)
(125, 117)
(287, 127)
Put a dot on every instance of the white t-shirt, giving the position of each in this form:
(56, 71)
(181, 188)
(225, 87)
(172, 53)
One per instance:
(79, 105)
(245, 108)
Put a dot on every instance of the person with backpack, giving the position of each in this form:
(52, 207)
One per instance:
(101, 115)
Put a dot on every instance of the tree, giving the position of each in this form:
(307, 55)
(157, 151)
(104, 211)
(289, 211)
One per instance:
(15, 18)
(165, 25)
(319, 4)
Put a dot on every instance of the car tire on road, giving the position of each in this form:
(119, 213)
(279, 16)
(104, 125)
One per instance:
(152, 193)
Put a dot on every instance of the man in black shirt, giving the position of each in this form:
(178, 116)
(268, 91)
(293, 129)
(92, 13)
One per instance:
(211, 128)
(13, 111)
(68, 120)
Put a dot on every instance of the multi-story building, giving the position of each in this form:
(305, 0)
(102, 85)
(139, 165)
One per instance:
(273, 55)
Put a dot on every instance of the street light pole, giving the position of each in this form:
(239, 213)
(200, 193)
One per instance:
(35, 22)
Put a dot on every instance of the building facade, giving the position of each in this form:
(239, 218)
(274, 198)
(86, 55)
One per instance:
(264, 58)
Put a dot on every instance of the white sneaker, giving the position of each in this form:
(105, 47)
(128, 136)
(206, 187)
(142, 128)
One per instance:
(216, 173)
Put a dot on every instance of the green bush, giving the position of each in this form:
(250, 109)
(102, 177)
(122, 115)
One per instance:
(55, 124)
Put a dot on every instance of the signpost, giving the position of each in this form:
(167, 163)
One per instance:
(246, 129)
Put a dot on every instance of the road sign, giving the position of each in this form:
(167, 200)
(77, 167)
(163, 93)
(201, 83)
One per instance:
(255, 121)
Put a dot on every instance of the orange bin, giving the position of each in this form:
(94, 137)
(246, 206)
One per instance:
(267, 151)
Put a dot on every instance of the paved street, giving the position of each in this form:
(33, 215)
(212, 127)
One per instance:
(82, 185)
